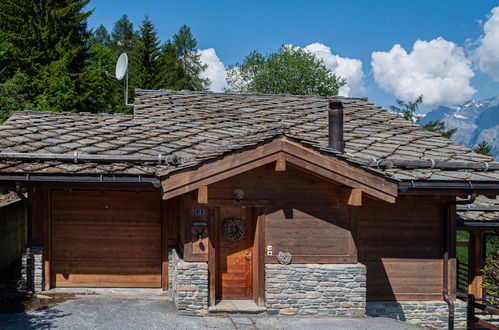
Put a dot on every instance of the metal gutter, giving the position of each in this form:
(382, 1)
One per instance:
(384, 163)
(76, 158)
(404, 186)
(108, 179)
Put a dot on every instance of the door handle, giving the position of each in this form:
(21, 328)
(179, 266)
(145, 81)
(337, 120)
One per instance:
(249, 256)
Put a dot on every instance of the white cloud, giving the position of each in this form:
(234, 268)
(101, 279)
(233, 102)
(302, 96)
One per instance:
(348, 68)
(437, 69)
(487, 53)
(215, 71)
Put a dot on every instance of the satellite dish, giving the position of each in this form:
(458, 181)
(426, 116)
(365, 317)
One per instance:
(121, 66)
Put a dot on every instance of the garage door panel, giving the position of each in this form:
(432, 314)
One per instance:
(106, 239)
(107, 281)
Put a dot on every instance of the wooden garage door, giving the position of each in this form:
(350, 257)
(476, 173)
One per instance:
(106, 239)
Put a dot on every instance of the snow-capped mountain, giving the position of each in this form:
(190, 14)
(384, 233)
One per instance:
(475, 120)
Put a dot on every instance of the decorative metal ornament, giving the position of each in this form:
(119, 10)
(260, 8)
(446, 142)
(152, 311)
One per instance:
(284, 258)
(233, 228)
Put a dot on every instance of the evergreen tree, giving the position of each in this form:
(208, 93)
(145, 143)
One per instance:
(171, 72)
(483, 148)
(439, 127)
(100, 36)
(49, 44)
(122, 36)
(408, 111)
(144, 68)
(186, 45)
(13, 95)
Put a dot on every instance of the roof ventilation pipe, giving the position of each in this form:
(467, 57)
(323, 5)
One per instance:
(335, 117)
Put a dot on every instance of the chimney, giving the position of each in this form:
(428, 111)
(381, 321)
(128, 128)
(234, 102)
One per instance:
(335, 116)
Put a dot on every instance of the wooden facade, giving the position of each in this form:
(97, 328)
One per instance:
(286, 208)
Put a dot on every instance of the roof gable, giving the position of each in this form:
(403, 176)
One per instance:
(326, 167)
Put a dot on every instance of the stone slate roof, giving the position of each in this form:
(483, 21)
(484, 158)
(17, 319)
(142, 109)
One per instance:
(8, 199)
(199, 126)
(484, 210)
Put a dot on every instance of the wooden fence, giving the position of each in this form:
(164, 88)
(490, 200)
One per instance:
(473, 320)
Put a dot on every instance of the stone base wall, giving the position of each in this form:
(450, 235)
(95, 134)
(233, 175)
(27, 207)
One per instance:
(316, 289)
(428, 314)
(189, 283)
(34, 280)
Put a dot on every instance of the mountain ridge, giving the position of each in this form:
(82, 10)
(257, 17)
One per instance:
(475, 120)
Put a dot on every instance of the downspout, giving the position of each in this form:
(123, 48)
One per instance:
(29, 257)
(445, 293)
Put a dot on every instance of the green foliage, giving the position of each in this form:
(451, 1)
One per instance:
(13, 95)
(144, 58)
(407, 110)
(57, 91)
(100, 36)
(289, 71)
(101, 93)
(185, 45)
(172, 74)
(122, 36)
(50, 61)
(491, 279)
(439, 127)
(49, 44)
(483, 148)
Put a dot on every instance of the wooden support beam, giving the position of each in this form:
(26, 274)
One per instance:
(353, 197)
(203, 195)
(476, 264)
(280, 165)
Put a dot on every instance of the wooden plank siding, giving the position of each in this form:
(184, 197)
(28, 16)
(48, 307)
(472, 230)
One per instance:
(106, 239)
(401, 246)
(303, 215)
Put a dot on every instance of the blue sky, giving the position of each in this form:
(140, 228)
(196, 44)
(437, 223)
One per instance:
(351, 29)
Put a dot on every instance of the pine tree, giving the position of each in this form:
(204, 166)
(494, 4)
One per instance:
(49, 44)
(144, 68)
(171, 72)
(122, 36)
(483, 148)
(100, 36)
(186, 45)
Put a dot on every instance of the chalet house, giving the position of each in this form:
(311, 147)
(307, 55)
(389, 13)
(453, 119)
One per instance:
(276, 203)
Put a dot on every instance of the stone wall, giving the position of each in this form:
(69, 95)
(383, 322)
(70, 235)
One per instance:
(316, 289)
(189, 283)
(429, 314)
(34, 281)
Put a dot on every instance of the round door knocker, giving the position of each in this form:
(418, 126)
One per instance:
(233, 228)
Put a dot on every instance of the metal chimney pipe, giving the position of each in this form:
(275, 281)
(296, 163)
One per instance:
(335, 116)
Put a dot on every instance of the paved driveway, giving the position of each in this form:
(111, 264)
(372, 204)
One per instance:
(111, 313)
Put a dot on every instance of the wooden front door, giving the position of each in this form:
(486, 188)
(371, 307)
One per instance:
(235, 234)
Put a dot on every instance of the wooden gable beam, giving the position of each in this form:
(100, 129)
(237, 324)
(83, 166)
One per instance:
(340, 172)
(221, 169)
(280, 165)
(203, 195)
(352, 197)
(281, 150)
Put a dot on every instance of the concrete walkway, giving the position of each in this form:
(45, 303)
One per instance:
(97, 312)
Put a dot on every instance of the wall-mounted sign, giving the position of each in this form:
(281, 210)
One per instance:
(200, 212)
(199, 223)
